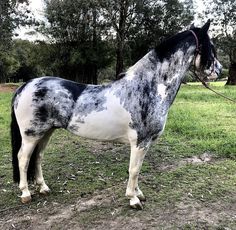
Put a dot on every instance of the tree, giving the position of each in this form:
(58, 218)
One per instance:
(86, 33)
(27, 56)
(140, 22)
(8, 66)
(75, 30)
(224, 19)
(158, 21)
(23, 61)
(11, 16)
(119, 15)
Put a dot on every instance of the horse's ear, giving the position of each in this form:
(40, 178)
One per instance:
(192, 26)
(205, 28)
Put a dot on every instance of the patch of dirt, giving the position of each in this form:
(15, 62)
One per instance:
(5, 88)
(50, 215)
(202, 159)
(104, 210)
(97, 147)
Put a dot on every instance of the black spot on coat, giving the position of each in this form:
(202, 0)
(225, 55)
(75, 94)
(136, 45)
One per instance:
(74, 88)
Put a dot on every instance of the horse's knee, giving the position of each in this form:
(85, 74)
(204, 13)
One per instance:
(23, 164)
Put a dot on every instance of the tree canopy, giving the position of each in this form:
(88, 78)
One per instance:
(223, 13)
(88, 33)
(93, 39)
(12, 14)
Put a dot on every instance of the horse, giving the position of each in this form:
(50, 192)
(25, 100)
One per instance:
(130, 110)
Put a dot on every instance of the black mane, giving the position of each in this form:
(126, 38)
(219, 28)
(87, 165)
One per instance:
(170, 45)
(186, 38)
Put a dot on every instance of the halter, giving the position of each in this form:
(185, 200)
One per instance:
(197, 42)
(197, 49)
(196, 75)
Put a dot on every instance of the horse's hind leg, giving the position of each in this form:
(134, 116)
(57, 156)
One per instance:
(24, 155)
(43, 188)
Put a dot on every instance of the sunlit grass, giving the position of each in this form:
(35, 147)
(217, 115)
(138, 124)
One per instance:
(215, 83)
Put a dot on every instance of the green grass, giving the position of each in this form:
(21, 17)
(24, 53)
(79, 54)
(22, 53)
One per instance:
(202, 121)
(198, 122)
(199, 182)
(5, 99)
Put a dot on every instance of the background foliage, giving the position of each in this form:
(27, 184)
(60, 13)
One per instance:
(90, 41)
(223, 14)
(90, 38)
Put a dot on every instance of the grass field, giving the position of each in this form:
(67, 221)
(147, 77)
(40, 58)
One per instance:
(188, 177)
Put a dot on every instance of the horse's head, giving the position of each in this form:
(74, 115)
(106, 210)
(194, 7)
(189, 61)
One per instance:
(206, 59)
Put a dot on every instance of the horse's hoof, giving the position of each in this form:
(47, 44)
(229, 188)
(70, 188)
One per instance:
(45, 192)
(25, 199)
(141, 197)
(136, 204)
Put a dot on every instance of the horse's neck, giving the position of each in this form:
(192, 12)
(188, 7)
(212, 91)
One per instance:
(171, 71)
(168, 68)
(161, 77)
(145, 66)
(175, 66)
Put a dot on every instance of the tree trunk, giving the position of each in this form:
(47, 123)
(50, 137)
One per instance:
(121, 31)
(119, 58)
(232, 68)
(232, 75)
(95, 46)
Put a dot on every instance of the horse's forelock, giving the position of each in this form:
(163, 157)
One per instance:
(206, 52)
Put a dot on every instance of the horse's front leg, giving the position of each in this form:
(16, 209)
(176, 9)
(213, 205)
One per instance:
(133, 192)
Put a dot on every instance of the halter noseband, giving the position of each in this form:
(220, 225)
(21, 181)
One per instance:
(196, 39)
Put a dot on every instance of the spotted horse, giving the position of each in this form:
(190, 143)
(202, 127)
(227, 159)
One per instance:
(130, 110)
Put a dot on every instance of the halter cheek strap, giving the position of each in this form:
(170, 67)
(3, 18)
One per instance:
(197, 49)
(196, 39)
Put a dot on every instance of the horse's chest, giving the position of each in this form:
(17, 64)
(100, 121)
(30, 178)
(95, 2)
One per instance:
(149, 124)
